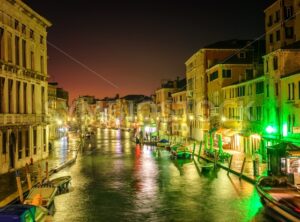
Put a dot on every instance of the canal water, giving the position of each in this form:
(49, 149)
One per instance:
(120, 181)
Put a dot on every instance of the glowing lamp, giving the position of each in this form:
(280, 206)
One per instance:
(270, 129)
(285, 130)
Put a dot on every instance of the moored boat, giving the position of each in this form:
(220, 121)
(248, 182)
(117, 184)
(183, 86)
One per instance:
(42, 196)
(61, 183)
(280, 196)
(163, 143)
(182, 152)
(23, 213)
(206, 167)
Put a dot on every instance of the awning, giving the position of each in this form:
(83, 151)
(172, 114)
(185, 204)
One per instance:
(226, 132)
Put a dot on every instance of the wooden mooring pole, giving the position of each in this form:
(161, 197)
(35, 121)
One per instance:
(28, 177)
(229, 165)
(242, 169)
(19, 186)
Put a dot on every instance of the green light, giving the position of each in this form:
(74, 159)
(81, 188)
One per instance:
(284, 130)
(270, 129)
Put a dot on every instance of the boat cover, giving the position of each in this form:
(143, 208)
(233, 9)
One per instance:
(17, 213)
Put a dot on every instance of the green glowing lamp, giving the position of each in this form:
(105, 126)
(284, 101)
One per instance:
(270, 129)
(285, 130)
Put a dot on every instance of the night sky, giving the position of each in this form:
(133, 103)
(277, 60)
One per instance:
(136, 44)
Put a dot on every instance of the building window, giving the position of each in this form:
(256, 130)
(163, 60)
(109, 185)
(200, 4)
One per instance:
(241, 91)
(267, 89)
(270, 22)
(278, 35)
(259, 87)
(251, 116)
(4, 145)
(17, 50)
(42, 64)
(2, 104)
(250, 90)
(249, 74)
(275, 63)
(271, 38)
(10, 96)
(17, 24)
(242, 55)
(41, 39)
(25, 97)
(1, 44)
(291, 91)
(267, 66)
(20, 148)
(213, 76)
(43, 99)
(32, 60)
(190, 84)
(18, 88)
(45, 139)
(23, 29)
(31, 34)
(34, 141)
(277, 16)
(226, 73)
(258, 113)
(9, 46)
(27, 148)
(24, 52)
(288, 12)
(289, 32)
(33, 98)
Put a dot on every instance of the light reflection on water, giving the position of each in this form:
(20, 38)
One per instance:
(124, 182)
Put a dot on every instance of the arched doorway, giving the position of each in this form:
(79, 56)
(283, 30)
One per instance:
(12, 150)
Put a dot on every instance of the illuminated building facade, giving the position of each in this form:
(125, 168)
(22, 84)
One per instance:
(23, 85)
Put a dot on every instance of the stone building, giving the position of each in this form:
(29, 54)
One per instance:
(23, 85)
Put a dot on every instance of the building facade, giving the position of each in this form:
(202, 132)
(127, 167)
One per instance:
(23, 85)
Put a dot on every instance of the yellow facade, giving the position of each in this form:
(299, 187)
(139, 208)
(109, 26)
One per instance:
(282, 24)
(242, 113)
(163, 103)
(196, 78)
(219, 76)
(290, 105)
(277, 64)
(179, 114)
(23, 85)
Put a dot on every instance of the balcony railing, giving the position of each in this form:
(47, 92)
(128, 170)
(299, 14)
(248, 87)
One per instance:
(22, 119)
(214, 111)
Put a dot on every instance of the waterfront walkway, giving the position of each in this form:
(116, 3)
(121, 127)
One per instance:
(241, 165)
(60, 156)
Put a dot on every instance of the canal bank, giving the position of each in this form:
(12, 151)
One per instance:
(245, 167)
(62, 155)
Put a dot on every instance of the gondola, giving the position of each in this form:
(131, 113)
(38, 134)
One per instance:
(280, 196)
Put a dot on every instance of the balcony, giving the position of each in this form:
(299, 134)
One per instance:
(214, 111)
(23, 119)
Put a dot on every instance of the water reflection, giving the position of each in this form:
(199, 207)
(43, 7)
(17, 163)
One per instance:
(125, 182)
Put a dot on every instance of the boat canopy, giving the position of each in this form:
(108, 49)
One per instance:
(17, 213)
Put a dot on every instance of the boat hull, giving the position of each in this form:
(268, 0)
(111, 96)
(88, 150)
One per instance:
(278, 205)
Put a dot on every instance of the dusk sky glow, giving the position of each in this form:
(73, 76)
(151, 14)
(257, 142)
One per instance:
(137, 44)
